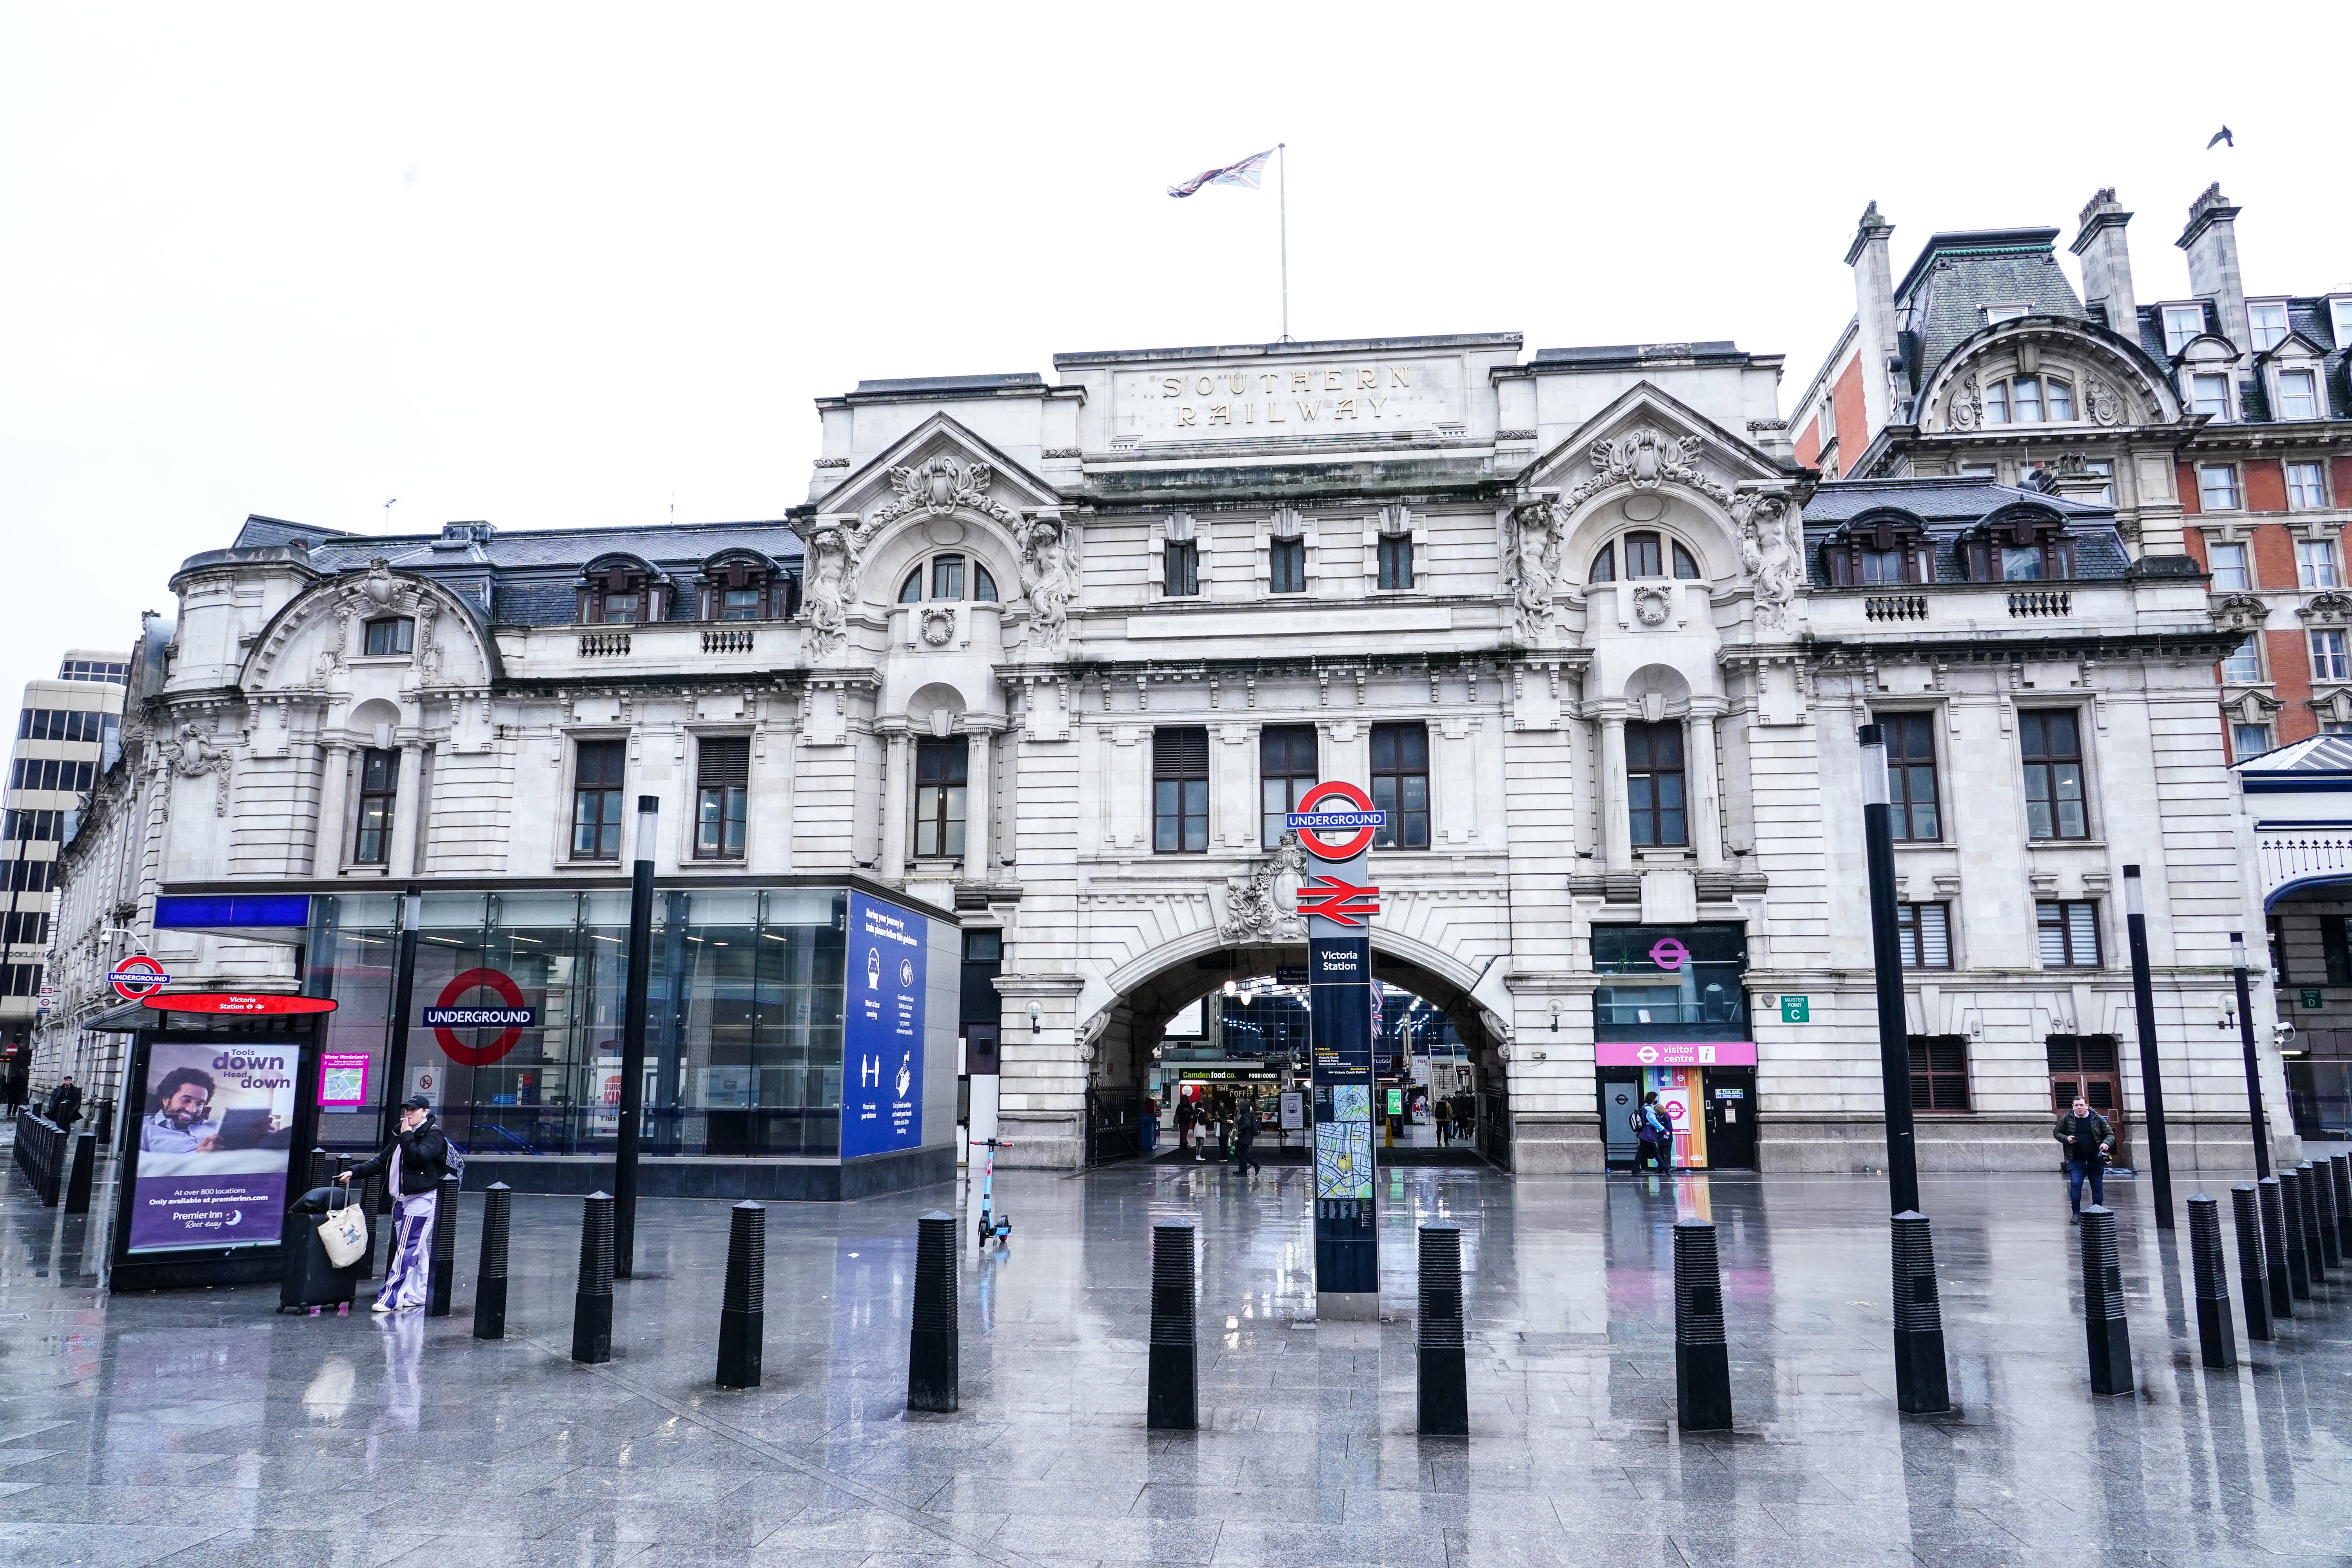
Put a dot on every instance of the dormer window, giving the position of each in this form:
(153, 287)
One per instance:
(1645, 555)
(391, 635)
(1886, 549)
(2181, 324)
(2268, 323)
(2298, 394)
(2210, 393)
(621, 609)
(621, 594)
(2023, 545)
(948, 577)
(742, 589)
(1994, 314)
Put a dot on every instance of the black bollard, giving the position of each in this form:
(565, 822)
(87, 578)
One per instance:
(319, 1172)
(1702, 1354)
(2281, 1278)
(2252, 1280)
(1443, 1405)
(445, 1250)
(592, 1306)
(743, 1309)
(1171, 1401)
(2217, 1346)
(2341, 1166)
(2298, 1262)
(84, 1168)
(2317, 1221)
(490, 1273)
(2322, 1199)
(1921, 1386)
(2103, 1325)
(932, 1361)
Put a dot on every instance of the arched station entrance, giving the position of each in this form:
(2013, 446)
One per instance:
(1231, 1020)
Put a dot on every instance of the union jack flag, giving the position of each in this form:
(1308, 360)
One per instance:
(1244, 173)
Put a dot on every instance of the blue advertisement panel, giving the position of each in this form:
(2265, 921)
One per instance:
(882, 1033)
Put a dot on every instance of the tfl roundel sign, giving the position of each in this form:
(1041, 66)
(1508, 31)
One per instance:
(137, 978)
(1310, 821)
(445, 1017)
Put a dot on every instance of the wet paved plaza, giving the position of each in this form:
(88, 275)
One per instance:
(196, 1428)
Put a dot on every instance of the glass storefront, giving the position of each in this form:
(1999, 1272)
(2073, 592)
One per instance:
(743, 1040)
(1669, 983)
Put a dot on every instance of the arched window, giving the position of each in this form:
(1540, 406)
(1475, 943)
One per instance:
(1646, 553)
(2029, 400)
(948, 577)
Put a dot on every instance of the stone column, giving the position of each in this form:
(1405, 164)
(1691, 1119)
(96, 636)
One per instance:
(1616, 824)
(408, 808)
(898, 797)
(978, 796)
(1706, 818)
(334, 801)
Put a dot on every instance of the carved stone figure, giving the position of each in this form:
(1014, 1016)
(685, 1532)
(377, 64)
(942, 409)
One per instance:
(1644, 459)
(378, 583)
(1966, 409)
(834, 555)
(1049, 576)
(939, 486)
(2239, 612)
(1533, 564)
(1772, 549)
(190, 754)
(2100, 399)
(1251, 910)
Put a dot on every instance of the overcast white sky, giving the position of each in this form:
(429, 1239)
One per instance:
(556, 268)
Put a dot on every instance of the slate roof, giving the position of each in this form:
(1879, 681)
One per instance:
(2319, 754)
(2308, 316)
(1950, 507)
(1940, 301)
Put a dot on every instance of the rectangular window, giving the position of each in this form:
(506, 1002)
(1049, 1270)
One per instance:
(619, 609)
(2230, 567)
(26, 928)
(1287, 769)
(941, 781)
(1927, 933)
(1400, 786)
(2307, 485)
(1180, 792)
(64, 724)
(1287, 566)
(2328, 660)
(2181, 324)
(1396, 561)
(741, 603)
(2051, 744)
(378, 791)
(2029, 400)
(2249, 741)
(2336, 945)
(1911, 776)
(20, 980)
(394, 635)
(2210, 395)
(2339, 315)
(722, 777)
(2217, 488)
(2069, 933)
(1940, 1072)
(2002, 314)
(1654, 784)
(2062, 400)
(2298, 394)
(1996, 402)
(947, 577)
(2269, 324)
(38, 826)
(1182, 564)
(596, 800)
(2314, 562)
(91, 669)
(2244, 665)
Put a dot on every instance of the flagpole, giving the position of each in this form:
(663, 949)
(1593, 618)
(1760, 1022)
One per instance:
(1282, 206)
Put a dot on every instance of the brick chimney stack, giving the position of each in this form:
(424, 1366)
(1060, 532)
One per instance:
(1874, 310)
(2212, 241)
(2106, 262)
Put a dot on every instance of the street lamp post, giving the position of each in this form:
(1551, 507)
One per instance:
(2151, 1071)
(633, 1041)
(2253, 1062)
(1922, 1384)
(403, 991)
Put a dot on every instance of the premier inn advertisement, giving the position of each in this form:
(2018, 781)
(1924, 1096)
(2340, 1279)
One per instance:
(214, 1145)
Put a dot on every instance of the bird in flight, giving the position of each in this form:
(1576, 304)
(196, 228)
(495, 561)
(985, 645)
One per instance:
(2220, 136)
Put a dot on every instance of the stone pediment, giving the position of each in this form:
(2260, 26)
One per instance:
(1646, 438)
(938, 468)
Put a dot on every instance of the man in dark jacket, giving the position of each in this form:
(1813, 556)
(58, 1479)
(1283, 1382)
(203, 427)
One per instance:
(417, 1157)
(1246, 1137)
(65, 1103)
(15, 1088)
(2086, 1140)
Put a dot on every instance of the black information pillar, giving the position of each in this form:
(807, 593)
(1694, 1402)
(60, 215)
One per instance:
(1339, 1014)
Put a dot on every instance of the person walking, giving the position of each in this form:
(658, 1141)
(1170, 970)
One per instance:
(1245, 1160)
(1445, 1122)
(1652, 1128)
(1150, 1128)
(1187, 1113)
(2085, 1142)
(16, 1088)
(1224, 1114)
(65, 1103)
(418, 1157)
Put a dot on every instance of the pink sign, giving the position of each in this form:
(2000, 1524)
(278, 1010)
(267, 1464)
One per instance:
(1674, 1053)
(1669, 954)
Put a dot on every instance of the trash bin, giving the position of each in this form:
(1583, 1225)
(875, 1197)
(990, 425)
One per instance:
(311, 1279)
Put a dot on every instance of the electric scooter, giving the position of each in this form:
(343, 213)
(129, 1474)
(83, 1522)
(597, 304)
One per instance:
(993, 1225)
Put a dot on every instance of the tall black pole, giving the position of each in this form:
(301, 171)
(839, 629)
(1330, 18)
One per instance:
(2151, 1071)
(403, 990)
(1887, 952)
(2253, 1062)
(633, 1041)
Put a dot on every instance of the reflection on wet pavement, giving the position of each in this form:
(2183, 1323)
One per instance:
(197, 1428)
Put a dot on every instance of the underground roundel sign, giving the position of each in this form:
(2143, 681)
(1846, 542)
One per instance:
(138, 977)
(447, 1016)
(1310, 821)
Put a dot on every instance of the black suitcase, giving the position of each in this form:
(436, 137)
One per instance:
(311, 1279)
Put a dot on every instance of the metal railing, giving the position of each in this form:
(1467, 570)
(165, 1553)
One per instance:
(603, 645)
(2045, 602)
(2290, 859)
(1896, 607)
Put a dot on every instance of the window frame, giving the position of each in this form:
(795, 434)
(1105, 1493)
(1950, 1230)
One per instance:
(1655, 539)
(2064, 925)
(2331, 664)
(2310, 381)
(1293, 781)
(1180, 565)
(2199, 383)
(2051, 766)
(1911, 934)
(2244, 570)
(1654, 775)
(731, 819)
(1941, 1084)
(1400, 777)
(2255, 329)
(2300, 497)
(2239, 748)
(1904, 732)
(1286, 563)
(2177, 334)
(2240, 678)
(1395, 563)
(1191, 801)
(2315, 565)
(2235, 492)
(942, 802)
(612, 795)
(402, 630)
(371, 840)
